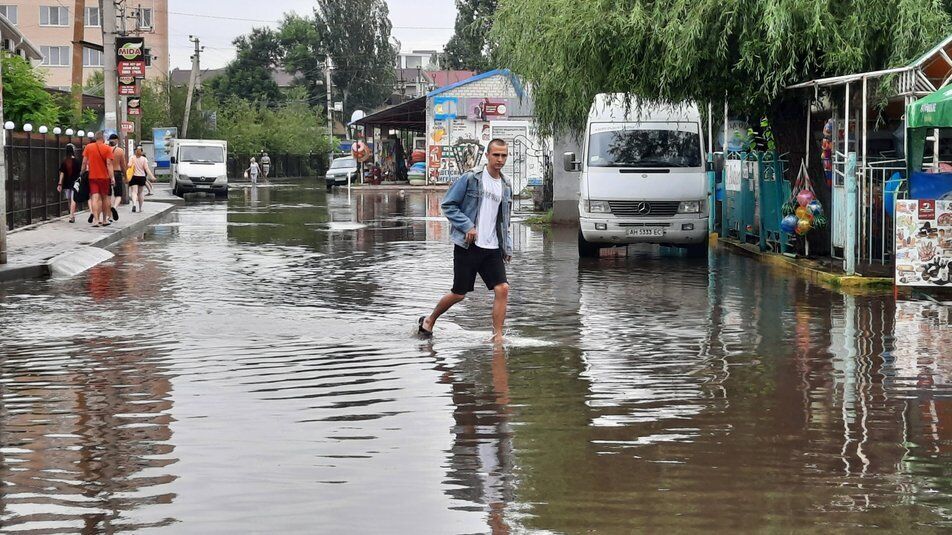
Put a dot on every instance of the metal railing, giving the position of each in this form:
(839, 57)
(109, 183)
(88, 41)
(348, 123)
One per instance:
(876, 182)
(33, 162)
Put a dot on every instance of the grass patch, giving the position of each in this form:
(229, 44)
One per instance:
(541, 219)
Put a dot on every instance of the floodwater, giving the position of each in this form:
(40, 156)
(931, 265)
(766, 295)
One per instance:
(249, 367)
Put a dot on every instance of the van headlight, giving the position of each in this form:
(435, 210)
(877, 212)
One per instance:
(689, 207)
(599, 207)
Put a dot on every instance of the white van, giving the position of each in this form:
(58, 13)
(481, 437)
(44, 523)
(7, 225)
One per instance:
(643, 176)
(198, 165)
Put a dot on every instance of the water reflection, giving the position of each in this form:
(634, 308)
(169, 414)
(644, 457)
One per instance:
(249, 366)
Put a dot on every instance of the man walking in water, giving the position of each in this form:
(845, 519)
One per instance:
(478, 206)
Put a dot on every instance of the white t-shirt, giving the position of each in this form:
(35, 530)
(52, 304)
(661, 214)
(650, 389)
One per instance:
(486, 237)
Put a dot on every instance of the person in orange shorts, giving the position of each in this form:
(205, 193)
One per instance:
(98, 160)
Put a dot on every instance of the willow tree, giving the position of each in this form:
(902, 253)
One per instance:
(704, 50)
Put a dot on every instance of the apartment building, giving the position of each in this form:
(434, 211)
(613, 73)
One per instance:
(48, 24)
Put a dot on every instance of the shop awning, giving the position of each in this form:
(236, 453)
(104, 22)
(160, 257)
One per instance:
(409, 115)
(933, 111)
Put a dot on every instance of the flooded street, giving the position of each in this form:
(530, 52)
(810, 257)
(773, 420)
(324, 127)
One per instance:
(249, 366)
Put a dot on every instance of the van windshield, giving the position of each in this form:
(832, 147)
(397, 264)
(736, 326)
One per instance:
(202, 154)
(644, 145)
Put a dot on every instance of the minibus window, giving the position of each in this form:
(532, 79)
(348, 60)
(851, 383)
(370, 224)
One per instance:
(643, 145)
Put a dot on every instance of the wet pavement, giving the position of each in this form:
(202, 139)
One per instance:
(249, 367)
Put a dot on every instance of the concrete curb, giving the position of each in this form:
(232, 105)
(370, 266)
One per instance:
(836, 281)
(41, 267)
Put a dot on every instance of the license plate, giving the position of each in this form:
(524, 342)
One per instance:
(203, 186)
(646, 231)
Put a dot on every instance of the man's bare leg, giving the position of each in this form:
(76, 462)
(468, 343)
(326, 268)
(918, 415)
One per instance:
(446, 302)
(500, 302)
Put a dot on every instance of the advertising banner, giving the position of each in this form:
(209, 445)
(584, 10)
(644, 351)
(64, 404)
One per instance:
(445, 108)
(134, 106)
(163, 140)
(128, 126)
(128, 86)
(487, 109)
(923, 242)
(130, 56)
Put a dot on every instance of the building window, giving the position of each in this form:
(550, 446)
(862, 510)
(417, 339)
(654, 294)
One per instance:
(92, 58)
(54, 16)
(55, 56)
(10, 12)
(414, 62)
(145, 18)
(93, 20)
(147, 53)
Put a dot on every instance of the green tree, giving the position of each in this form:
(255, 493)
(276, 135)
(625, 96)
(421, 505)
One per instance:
(470, 47)
(24, 98)
(249, 75)
(672, 50)
(356, 34)
(302, 52)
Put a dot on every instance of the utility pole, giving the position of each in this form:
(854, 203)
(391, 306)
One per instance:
(3, 179)
(330, 118)
(110, 90)
(79, 11)
(191, 83)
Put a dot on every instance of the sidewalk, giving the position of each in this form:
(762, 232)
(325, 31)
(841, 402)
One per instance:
(809, 269)
(60, 247)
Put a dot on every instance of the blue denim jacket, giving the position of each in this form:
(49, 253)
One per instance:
(461, 207)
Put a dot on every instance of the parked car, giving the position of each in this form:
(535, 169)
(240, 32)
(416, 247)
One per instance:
(340, 171)
(643, 177)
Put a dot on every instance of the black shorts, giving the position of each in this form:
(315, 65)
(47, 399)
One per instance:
(137, 181)
(117, 187)
(488, 263)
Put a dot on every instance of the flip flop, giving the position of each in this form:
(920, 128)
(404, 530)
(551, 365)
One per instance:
(115, 214)
(421, 331)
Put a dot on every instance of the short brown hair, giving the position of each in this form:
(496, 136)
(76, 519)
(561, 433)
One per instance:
(495, 141)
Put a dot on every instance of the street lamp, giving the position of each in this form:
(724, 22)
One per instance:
(81, 133)
(90, 135)
(44, 129)
(8, 125)
(69, 131)
(57, 130)
(28, 127)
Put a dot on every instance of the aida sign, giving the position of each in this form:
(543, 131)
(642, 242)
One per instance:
(130, 56)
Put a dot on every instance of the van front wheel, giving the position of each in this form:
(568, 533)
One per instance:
(587, 249)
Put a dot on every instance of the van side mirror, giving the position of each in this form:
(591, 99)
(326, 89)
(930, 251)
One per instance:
(172, 159)
(569, 163)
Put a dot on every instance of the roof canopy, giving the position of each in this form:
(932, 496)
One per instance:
(933, 111)
(410, 115)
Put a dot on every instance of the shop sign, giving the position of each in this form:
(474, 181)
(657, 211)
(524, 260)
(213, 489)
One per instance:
(487, 109)
(130, 56)
(134, 106)
(445, 108)
(923, 242)
(128, 86)
(128, 126)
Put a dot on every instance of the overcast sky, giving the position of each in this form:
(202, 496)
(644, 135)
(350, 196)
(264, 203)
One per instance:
(417, 24)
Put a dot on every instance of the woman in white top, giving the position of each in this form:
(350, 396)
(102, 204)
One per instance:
(253, 171)
(140, 170)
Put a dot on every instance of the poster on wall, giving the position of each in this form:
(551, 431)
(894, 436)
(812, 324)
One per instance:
(487, 109)
(923, 242)
(732, 175)
(462, 129)
(439, 133)
(445, 108)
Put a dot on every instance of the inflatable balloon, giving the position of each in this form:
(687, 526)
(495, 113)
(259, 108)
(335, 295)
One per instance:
(815, 207)
(803, 213)
(789, 224)
(804, 197)
(804, 226)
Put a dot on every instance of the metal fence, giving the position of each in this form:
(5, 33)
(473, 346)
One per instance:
(282, 165)
(33, 162)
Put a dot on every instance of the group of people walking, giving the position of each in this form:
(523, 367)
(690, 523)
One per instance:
(256, 169)
(98, 179)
